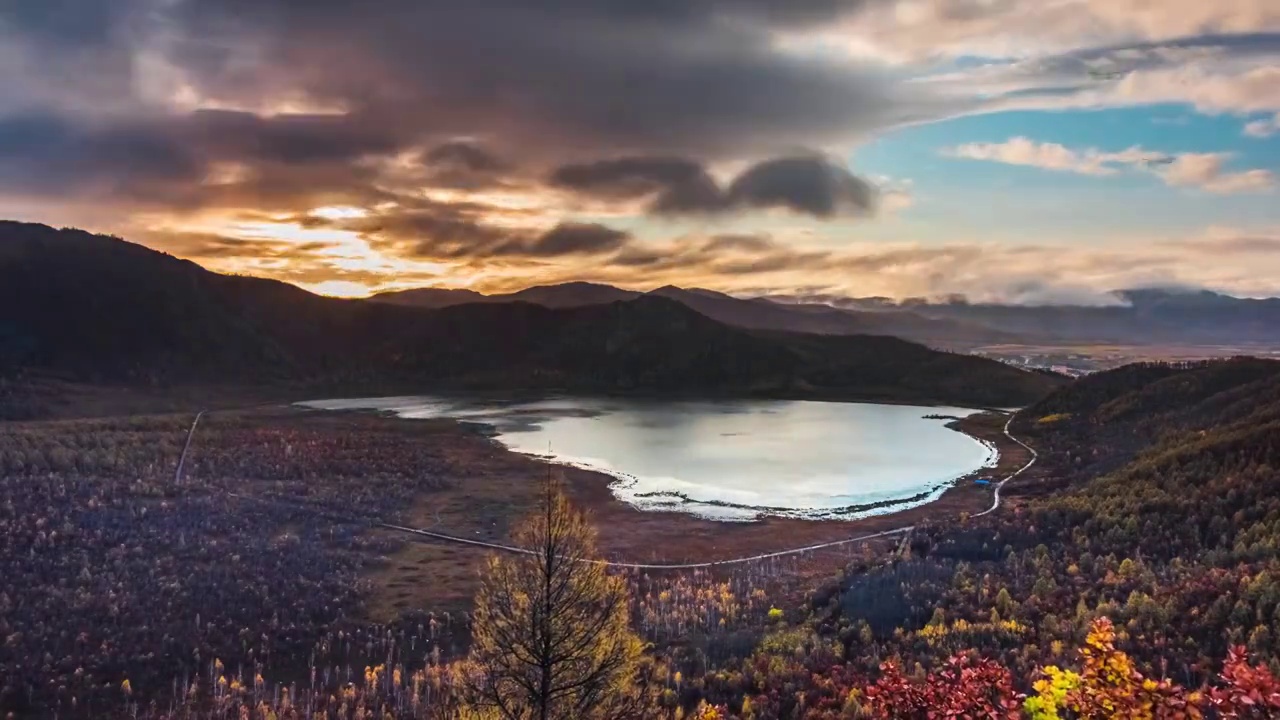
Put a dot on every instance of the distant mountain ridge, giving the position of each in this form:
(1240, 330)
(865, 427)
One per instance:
(95, 308)
(1139, 317)
(1149, 316)
(754, 313)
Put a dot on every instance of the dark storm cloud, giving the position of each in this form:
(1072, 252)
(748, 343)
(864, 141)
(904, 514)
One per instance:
(461, 155)
(674, 185)
(566, 239)
(628, 177)
(65, 21)
(805, 184)
(286, 139)
(169, 162)
(544, 84)
(42, 154)
(453, 231)
(463, 165)
(564, 74)
(208, 245)
(435, 231)
(808, 184)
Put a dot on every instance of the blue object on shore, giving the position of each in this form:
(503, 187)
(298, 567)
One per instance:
(982, 481)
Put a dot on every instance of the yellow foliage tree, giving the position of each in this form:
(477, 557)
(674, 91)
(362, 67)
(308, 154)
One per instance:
(551, 634)
(1108, 686)
(1051, 693)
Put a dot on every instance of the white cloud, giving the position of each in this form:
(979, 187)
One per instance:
(895, 201)
(1263, 128)
(1217, 83)
(914, 30)
(1053, 156)
(895, 194)
(1204, 171)
(1225, 89)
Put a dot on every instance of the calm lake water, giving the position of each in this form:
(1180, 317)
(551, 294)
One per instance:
(730, 460)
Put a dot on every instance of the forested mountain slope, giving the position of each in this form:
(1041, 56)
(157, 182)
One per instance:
(752, 314)
(100, 309)
(1157, 508)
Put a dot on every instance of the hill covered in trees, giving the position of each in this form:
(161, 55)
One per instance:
(750, 313)
(1140, 317)
(96, 308)
(1135, 575)
(1150, 537)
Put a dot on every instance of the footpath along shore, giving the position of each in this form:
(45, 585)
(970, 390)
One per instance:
(906, 526)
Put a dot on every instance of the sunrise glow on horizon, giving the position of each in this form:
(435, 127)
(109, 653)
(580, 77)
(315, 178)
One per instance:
(1015, 151)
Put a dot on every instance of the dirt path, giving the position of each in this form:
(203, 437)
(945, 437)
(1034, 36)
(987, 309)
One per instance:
(420, 532)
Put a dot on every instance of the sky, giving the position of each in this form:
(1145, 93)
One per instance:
(1025, 151)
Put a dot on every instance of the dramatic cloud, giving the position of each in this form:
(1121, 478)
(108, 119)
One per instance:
(467, 231)
(1242, 262)
(539, 78)
(672, 185)
(462, 165)
(349, 145)
(1203, 171)
(806, 184)
(1214, 75)
(568, 239)
(916, 29)
(461, 155)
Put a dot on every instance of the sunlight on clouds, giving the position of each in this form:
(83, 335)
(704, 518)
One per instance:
(300, 254)
(515, 200)
(338, 212)
(423, 181)
(227, 173)
(337, 288)
(914, 30)
(161, 82)
(1203, 171)
(285, 231)
(349, 251)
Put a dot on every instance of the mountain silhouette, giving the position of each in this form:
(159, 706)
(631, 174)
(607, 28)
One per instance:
(96, 308)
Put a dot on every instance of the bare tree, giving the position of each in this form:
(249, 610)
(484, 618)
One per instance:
(551, 635)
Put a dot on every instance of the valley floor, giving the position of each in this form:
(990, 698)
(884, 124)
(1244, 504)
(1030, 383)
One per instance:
(479, 490)
(300, 573)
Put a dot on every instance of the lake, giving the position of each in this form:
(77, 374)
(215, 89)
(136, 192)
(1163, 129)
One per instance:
(730, 459)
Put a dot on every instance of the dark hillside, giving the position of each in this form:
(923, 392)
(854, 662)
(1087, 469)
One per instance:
(98, 309)
(1156, 506)
(1121, 412)
(102, 308)
(1170, 516)
(753, 314)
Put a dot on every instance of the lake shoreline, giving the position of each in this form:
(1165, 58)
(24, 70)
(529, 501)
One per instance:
(682, 456)
(472, 487)
(493, 491)
(689, 538)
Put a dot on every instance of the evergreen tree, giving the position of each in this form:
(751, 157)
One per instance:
(552, 637)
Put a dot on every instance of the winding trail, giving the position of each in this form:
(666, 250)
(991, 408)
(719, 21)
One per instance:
(995, 500)
(419, 532)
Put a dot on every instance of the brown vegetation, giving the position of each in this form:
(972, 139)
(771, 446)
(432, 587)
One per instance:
(552, 635)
